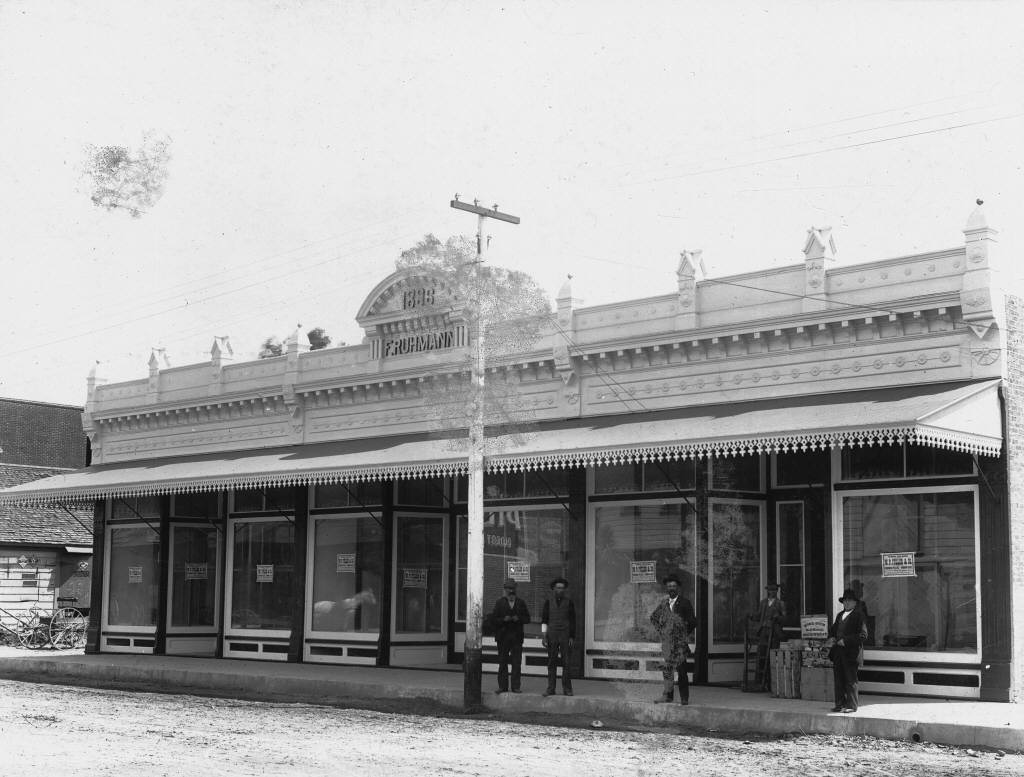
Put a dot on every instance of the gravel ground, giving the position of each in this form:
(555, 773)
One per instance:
(61, 730)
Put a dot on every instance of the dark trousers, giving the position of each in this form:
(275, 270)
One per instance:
(509, 652)
(668, 672)
(558, 647)
(845, 674)
(763, 673)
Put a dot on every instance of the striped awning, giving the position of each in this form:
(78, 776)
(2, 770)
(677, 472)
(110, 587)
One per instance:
(962, 417)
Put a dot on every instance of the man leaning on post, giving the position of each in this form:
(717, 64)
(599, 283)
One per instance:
(558, 630)
(509, 617)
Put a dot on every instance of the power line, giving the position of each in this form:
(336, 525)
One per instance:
(846, 147)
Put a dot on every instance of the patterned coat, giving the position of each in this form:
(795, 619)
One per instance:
(674, 625)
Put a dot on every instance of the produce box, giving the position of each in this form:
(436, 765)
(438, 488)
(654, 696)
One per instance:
(817, 683)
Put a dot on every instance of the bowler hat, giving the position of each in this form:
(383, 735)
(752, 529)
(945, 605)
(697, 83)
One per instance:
(558, 580)
(849, 593)
(509, 583)
(771, 585)
(670, 579)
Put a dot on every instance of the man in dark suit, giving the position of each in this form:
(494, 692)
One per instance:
(674, 619)
(771, 611)
(847, 635)
(509, 616)
(558, 626)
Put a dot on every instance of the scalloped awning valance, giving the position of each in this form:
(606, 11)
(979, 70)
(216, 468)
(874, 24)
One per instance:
(963, 417)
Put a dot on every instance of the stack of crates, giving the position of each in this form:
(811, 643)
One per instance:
(786, 670)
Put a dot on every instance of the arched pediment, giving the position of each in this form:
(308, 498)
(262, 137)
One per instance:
(405, 295)
(412, 311)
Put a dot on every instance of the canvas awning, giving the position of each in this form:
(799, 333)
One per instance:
(963, 417)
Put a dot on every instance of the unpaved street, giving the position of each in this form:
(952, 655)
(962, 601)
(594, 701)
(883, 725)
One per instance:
(57, 730)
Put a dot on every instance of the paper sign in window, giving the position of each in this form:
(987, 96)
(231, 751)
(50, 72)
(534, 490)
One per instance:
(898, 565)
(264, 573)
(643, 572)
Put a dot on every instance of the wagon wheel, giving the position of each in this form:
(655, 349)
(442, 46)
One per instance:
(67, 628)
(35, 637)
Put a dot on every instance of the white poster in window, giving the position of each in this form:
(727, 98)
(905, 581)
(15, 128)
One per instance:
(643, 572)
(195, 571)
(414, 578)
(898, 565)
(346, 563)
(519, 571)
(134, 574)
(264, 573)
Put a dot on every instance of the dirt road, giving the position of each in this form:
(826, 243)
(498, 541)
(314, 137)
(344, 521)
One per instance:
(58, 730)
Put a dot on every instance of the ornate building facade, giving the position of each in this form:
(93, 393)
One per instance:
(821, 425)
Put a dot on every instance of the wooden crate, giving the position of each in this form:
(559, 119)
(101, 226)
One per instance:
(785, 669)
(817, 683)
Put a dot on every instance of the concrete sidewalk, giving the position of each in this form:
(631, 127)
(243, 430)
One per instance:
(726, 710)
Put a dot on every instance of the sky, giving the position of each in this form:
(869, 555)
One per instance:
(311, 142)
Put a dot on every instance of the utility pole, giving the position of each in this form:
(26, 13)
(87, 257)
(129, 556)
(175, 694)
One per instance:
(472, 662)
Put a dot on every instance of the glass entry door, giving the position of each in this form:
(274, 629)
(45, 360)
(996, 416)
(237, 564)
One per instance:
(193, 596)
(260, 595)
(736, 559)
(419, 635)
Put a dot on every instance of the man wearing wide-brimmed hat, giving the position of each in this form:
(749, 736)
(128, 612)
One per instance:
(509, 617)
(847, 637)
(674, 619)
(558, 627)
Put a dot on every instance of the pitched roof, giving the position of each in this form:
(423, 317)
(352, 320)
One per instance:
(34, 525)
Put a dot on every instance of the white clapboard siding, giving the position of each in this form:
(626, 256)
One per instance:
(21, 587)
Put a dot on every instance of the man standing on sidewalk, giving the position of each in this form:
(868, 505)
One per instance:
(509, 616)
(674, 619)
(558, 627)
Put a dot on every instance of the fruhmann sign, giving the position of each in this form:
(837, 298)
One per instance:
(416, 299)
(417, 343)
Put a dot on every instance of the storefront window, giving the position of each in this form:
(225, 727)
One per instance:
(420, 575)
(259, 500)
(897, 461)
(347, 495)
(802, 468)
(649, 476)
(422, 492)
(528, 544)
(204, 505)
(635, 547)
(735, 567)
(348, 561)
(134, 575)
(911, 556)
(262, 575)
(736, 473)
(193, 576)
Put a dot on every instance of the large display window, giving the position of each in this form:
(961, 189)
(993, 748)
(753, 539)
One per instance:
(634, 546)
(911, 554)
(529, 544)
(133, 576)
(262, 564)
(348, 554)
